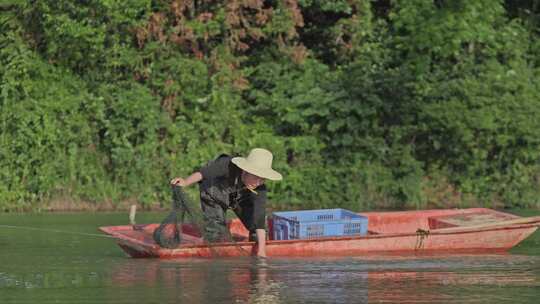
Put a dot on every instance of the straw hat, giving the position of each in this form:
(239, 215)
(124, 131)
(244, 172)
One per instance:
(258, 162)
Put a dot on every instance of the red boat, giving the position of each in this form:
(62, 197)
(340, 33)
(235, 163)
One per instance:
(401, 232)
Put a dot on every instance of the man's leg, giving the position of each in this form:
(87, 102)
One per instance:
(215, 226)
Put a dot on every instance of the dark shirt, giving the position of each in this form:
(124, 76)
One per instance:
(222, 184)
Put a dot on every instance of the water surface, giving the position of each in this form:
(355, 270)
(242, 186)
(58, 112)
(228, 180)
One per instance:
(67, 260)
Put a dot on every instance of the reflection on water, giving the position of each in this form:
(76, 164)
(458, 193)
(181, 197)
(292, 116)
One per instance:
(457, 279)
(45, 268)
(202, 281)
(469, 279)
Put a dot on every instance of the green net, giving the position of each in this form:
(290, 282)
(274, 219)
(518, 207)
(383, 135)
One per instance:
(186, 224)
(169, 232)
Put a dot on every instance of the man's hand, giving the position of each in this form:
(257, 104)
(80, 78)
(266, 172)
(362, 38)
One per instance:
(178, 181)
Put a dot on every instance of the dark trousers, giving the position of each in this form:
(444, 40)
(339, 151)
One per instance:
(214, 214)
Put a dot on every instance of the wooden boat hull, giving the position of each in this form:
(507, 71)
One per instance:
(407, 232)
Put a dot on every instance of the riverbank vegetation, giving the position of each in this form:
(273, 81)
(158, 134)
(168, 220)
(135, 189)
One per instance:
(365, 104)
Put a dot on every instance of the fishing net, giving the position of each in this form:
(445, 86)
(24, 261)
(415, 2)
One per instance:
(184, 216)
(169, 232)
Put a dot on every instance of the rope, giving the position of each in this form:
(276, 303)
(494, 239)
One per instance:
(56, 231)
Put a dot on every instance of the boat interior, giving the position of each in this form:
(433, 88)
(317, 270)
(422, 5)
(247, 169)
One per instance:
(411, 221)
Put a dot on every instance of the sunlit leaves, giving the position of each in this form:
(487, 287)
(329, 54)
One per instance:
(364, 103)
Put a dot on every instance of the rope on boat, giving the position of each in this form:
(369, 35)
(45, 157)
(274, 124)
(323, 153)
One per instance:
(421, 235)
(56, 231)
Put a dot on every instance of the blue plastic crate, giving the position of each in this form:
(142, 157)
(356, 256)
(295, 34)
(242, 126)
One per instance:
(307, 224)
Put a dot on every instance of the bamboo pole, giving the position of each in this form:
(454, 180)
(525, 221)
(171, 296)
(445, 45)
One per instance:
(132, 212)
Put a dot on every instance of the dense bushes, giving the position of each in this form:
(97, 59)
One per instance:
(366, 104)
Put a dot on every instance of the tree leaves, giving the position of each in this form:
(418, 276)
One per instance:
(364, 104)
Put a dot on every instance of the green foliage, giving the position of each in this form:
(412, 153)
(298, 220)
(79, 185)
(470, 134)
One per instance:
(474, 94)
(387, 104)
(90, 36)
(45, 136)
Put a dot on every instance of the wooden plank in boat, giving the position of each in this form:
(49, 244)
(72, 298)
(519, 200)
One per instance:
(468, 219)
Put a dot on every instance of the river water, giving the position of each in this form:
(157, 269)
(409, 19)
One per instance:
(62, 258)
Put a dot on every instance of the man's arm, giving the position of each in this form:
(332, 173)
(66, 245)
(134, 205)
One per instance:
(193, 178)
(217, 167)
(261, 242)
(259, 212)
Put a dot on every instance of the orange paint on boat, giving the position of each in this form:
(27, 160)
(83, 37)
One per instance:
(427, 231)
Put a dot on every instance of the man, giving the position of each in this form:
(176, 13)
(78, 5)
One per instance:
(236, 183)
